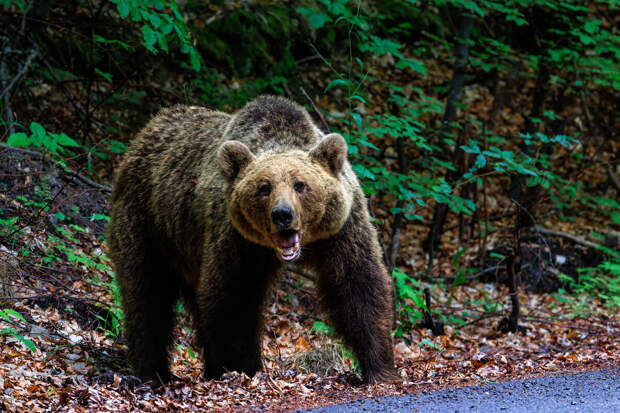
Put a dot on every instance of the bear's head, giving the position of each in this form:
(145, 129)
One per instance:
(287, 200)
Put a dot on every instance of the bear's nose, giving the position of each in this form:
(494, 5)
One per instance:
(282, 216)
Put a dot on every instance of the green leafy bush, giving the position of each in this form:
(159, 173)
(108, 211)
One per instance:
(602, 281)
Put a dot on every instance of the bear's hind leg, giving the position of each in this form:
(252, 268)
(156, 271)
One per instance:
(149, 306)
(149, 293)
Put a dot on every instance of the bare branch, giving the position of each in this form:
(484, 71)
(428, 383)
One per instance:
(33, 53)
(612, 177)
(22, 29)
(565, 235)
(303, 91)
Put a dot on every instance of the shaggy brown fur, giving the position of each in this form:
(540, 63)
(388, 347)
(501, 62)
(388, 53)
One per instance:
(205, 208)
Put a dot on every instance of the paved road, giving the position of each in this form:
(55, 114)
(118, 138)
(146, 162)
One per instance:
(583, 392)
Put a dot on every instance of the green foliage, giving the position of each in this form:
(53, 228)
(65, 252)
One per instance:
(204, 87)
(11, 316)
(357, 20)
(253, 41)
(55, 143)
(72, 252)
(460, 273)
(190, 352)
(322, 328)
(401, 129)
(161, 20)
(113, 324)
(20, 4)
(426, 342)
(412, 188)
(602, 281)
(410, 302)
(8, 226)
(114, 146)
(158, 25)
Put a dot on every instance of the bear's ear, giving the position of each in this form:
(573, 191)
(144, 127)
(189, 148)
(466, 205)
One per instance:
(233, 157)
(331, 152)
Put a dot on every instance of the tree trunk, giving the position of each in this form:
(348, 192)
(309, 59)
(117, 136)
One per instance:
(513, 269)
(403, 166)
(526, 198)
(456, 85)
(8, 271)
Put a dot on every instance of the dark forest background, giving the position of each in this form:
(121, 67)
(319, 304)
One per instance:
(484, 133)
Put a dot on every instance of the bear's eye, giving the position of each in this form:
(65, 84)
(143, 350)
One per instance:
(300, 186)
(264, 189)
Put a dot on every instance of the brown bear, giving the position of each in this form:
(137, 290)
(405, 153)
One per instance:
(208, 206)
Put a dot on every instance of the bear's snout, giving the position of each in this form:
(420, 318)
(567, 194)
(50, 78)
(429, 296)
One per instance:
(287, 236)
(282, 215)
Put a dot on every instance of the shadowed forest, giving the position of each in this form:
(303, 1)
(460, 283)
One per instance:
(484, 134)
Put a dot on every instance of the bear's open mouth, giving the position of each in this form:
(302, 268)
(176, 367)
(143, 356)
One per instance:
(287, 244)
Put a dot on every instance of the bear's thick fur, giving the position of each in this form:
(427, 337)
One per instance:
(206, 208)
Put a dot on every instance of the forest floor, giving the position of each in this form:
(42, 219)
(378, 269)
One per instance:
(59, 284)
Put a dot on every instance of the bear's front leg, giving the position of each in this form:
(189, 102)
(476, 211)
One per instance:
(235, 278)
(357, 293)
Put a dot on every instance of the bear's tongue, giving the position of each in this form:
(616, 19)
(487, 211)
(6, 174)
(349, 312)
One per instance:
(287, 243)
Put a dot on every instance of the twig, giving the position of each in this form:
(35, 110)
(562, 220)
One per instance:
(532, 218)
(565, 235)
(3, 82)
(67, 170)
(75, 295)
(484, 209)
(303, 91)
(293, 285)
(435, 326)
(40, 210)
(483, 317)
(307, 59)
(105, 188)
(72, 99)
(27, 151)
(495, 268)
(275, 340)
(33, 53)
(612, 177)
(22, 28)
(556, 323)
(455, 309)
(287, 90)
(495, 218)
